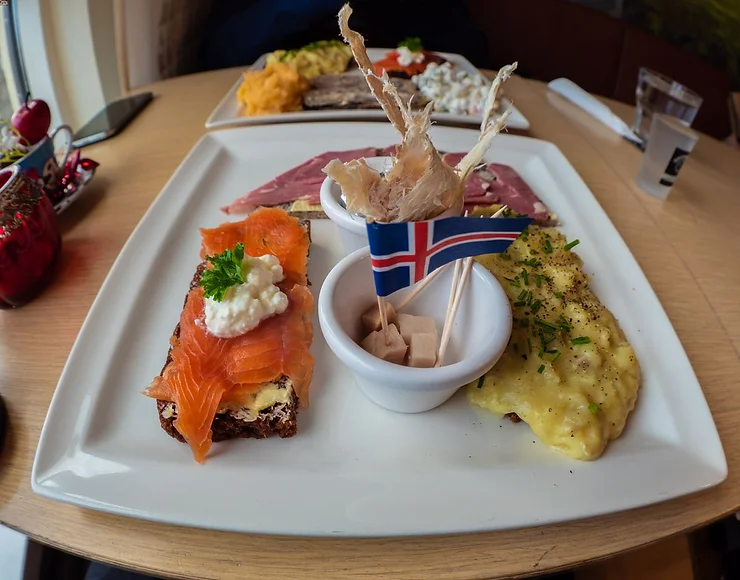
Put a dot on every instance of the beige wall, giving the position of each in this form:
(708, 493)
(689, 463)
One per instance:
(70, 55)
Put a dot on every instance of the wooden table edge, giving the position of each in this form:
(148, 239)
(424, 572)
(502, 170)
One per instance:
(468, 543)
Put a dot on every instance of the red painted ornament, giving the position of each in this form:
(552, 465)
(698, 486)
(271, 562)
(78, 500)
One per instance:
(30, 240)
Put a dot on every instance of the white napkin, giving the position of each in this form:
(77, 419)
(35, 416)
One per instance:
(594, 107)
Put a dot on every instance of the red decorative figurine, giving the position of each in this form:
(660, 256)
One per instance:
(30, 240)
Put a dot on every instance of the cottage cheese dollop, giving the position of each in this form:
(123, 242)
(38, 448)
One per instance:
(453, 91)
(406, 57)
(244, 306)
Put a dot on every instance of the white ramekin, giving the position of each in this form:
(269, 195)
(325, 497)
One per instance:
(480, 333)
(352, 229)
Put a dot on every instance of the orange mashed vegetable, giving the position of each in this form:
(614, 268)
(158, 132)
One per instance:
(276, 89)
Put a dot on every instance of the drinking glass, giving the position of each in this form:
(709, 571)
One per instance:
(669, 144)
(658, 94)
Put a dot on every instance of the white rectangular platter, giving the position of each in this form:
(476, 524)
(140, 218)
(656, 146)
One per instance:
(229, 113)
(355, 469)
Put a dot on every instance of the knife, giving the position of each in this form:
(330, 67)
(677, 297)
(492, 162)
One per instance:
(594, 107)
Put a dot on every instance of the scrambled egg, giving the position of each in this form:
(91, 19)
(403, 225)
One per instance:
(276, 89)
(568, 371)
(324, 57)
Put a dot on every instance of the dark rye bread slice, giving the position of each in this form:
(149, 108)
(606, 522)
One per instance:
(280, 419)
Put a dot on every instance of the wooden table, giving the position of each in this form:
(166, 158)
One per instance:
(688, 247)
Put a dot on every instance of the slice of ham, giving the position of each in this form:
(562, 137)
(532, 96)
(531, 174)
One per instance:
(301, 182)
(494, 183)
(499, 183)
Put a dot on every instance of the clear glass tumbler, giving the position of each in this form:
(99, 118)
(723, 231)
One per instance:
(669, 144)
(658, 94)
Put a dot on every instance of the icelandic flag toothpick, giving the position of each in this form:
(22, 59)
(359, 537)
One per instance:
(403, 253)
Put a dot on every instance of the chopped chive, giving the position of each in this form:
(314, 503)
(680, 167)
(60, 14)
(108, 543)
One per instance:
(572, 245)
(558, 295)
(505, 256)
(594, 408)
(519, 303)
(547, 338)
(565, 324)
(530, 262)
(480, 381)
(513, 282)
(522, 295)
(529, 345)
(541, 369)
(545, 324)
(580, 340)
(557, 355)
(538, 280)
(535, 306)
(525, 277)
(547, 248)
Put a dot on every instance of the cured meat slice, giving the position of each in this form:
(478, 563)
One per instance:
(500, 183)
(489, 184)
(301, 182)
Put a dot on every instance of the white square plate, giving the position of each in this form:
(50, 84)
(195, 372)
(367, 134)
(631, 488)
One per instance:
(354, 469)
(229, 113)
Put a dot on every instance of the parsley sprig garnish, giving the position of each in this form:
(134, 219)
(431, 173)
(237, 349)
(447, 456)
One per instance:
(226, 270)
(413, 43)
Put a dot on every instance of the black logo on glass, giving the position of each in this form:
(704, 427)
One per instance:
(674, 166)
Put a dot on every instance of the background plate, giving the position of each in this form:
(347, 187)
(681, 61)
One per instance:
(228, 113)
(354, 469)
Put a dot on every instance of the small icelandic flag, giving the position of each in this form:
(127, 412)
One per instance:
(403, 253)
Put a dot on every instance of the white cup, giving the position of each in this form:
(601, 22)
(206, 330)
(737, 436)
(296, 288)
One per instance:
(668, 146)
(353, 228)
(479, 335)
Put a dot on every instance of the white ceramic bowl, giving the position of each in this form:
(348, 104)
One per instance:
(481, 331)
(352, 229)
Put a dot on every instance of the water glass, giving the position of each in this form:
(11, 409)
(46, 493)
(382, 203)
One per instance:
(669, 143)
(658, 94)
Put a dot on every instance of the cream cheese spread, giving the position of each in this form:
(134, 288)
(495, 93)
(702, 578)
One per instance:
(244, 306)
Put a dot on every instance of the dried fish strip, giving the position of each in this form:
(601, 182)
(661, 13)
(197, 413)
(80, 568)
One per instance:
(419, 185)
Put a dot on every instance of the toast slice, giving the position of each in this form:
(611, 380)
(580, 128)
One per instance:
(274, 410)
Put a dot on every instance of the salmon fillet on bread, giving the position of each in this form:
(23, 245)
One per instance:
(257, 390)
(275, 414)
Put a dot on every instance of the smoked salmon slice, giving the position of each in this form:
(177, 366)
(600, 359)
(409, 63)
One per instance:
(267, 230)
(205, 372)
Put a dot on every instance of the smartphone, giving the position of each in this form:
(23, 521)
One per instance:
(111, 120)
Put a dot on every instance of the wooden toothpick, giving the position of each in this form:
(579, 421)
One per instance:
(419, 287)
(456, 291)
(450, 318)
(384, 319)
